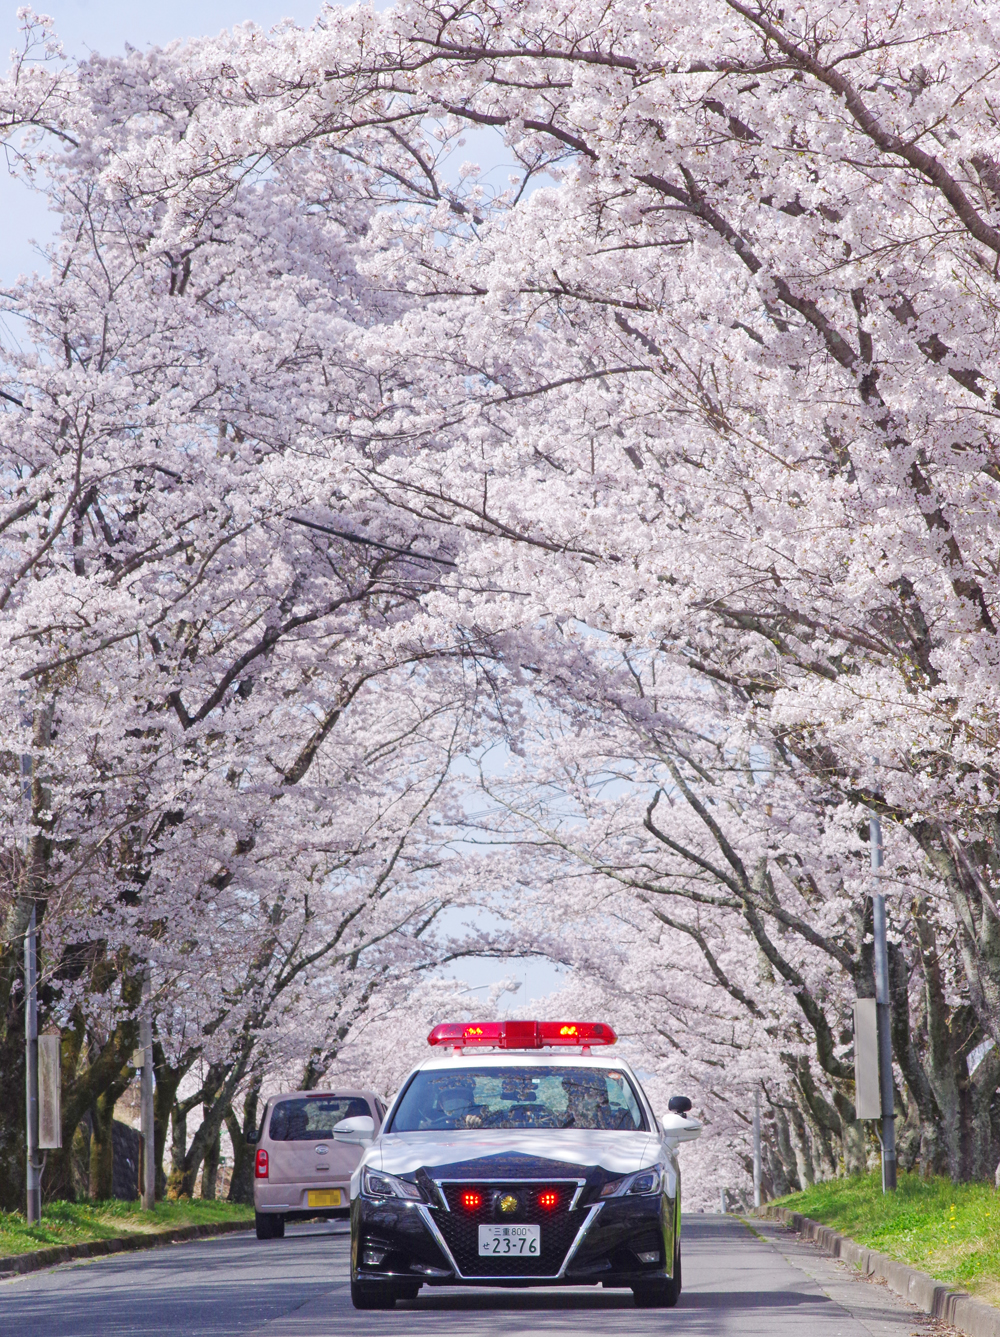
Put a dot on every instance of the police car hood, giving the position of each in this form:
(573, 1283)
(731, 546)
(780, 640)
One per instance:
(503, 1152)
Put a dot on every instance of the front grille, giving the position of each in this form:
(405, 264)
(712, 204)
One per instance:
(460, 1228)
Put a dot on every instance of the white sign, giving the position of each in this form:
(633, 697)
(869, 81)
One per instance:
(867, 1097)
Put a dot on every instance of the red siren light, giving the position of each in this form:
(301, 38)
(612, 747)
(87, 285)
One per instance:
(471, 1200)
(548, 1199)
(522, 1034)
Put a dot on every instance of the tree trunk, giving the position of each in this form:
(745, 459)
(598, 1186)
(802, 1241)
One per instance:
(102, 1116)
(221, 1083)
(12, 1111)
(30, 876)
(786, 1155)
(210, 1168)
(241, 1184)
(168, 1079)
(177, 1184)
(215, 1094)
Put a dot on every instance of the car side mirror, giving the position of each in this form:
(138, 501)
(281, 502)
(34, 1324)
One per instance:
(678, 1105)
(360, 1130)
(252, 1137)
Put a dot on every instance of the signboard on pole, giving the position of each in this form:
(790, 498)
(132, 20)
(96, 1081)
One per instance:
(49, 1092)
(867, 1096)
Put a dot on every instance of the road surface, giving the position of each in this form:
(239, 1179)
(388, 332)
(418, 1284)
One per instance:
(766, 1284)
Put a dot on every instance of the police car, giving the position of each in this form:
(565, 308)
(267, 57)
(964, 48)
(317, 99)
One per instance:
(517, 1156)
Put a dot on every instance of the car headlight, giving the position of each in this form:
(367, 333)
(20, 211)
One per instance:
(375, 1184)
(645, 1181)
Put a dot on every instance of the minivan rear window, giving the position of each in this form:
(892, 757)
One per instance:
(311, 1117)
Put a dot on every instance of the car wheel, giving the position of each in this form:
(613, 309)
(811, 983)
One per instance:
(265, 1225)
(278, 1228)
(373, 1295)
(664, 1292)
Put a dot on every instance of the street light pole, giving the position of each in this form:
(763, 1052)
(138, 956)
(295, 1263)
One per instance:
(756, 1148)
(146, 1100)
(34, 1167)
(883, 1015)
(40, 733)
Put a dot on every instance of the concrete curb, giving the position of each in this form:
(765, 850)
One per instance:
(969, 1316)
(19, 1263)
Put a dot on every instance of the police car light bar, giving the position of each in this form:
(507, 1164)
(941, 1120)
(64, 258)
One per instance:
(522, 1034)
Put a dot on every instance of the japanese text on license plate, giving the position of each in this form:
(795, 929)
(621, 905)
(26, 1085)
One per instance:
(510, 1241)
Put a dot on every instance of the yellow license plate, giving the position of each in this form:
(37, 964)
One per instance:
(324, 1197)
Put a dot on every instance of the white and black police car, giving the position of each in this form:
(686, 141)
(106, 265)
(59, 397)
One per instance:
(516, 1156)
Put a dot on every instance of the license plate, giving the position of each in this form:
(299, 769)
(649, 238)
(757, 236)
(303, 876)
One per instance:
(510, 1241)
(324, 1197)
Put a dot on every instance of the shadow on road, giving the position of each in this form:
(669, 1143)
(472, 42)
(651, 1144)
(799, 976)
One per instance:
(705, 1227)
(748, 1300)
(520, 1301)
(714, 1300)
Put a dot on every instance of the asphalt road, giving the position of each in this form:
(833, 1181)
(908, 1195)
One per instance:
(757, 1285)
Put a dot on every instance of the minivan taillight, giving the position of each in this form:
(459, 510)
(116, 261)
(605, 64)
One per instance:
(260, 1168)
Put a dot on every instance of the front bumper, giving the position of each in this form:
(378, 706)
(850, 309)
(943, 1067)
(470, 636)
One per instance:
(594, 1243)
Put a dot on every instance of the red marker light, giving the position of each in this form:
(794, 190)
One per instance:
(548, 1200)
(575, 1033)
(260, 1165)
(471, 1200)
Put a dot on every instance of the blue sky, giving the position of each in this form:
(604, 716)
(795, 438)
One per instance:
(107, 26)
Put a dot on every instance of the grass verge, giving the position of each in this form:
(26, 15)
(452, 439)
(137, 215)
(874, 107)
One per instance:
(950, 1230)
(82, 1222)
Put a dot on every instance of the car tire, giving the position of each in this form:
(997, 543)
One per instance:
(664, 1292)
(278, 1228)
(373, 1295)
(264, 1223)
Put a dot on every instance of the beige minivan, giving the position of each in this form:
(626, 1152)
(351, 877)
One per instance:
(300, 1170)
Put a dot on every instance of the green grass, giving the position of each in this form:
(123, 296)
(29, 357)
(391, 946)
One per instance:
(81, 1222)
(950, 1230)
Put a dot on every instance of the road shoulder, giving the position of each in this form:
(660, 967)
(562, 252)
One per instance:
(53, 1255)
(867, 1298)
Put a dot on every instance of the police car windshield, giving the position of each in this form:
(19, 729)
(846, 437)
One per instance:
(518, 1098)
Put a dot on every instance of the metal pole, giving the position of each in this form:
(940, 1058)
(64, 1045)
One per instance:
(722, 1201)
(883, 1018)
(34, 1165)
(756, 1148)
(146, 1102)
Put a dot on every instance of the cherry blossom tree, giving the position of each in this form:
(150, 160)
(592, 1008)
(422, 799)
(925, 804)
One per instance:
(709, 376)
(238, 738)
(719, 895)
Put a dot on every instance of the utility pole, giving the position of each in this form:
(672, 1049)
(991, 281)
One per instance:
(40, 723)
(883, 1015)
(34, 1165)
(146, 1101)
(756, 1147)
(34, 1205)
